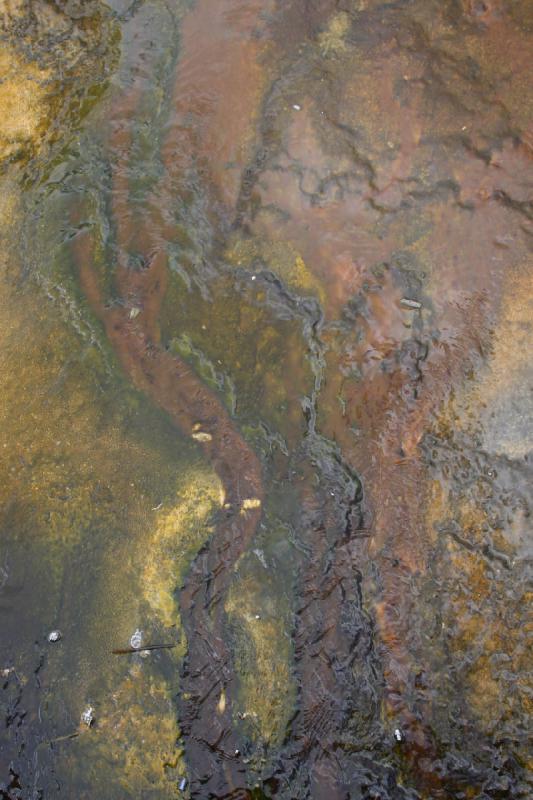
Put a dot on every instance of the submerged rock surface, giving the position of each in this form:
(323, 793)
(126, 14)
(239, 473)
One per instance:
(266, 292)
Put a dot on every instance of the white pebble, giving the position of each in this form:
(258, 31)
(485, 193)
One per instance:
(201, 436)
(87, 716)
(410, 303)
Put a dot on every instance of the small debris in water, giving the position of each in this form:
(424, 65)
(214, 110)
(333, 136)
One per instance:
(250, 502)
(64, 738)
(398, 735)
(87, 716)
(54, 636)
(182, 784)
(261, 556)
(296, 107)
(199, 434)
(122, 651)
(136, 639)
(405, 301)
(202, 436)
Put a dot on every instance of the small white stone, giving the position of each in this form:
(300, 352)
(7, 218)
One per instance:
(258, 616)
(398, 735)
(254, 277)
(202, 436)
(134, 312)
(54, 636)
(296, 107)
(87, 716)
(405, 301)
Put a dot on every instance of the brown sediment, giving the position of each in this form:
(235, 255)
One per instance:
(217, 92)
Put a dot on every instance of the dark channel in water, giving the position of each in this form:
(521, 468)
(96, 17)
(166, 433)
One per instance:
(269, 281)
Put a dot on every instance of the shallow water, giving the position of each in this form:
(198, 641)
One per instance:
(267, 324)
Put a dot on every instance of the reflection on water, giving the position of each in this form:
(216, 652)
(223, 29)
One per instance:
(266, 397)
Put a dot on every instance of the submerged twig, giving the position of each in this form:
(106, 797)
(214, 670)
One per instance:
(122, 651)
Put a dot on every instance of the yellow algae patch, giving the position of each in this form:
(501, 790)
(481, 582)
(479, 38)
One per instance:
(50, 57)
(262, 659)
(178, 535)
(23, 103)
(281, 258)
(134, 737)
(332, 40)
(59, 455)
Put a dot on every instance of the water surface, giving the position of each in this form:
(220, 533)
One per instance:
(266, 338)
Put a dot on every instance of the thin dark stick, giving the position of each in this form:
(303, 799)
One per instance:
(126, 650)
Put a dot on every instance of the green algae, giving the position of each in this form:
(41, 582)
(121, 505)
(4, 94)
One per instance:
(216, 380)
(250, 351)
